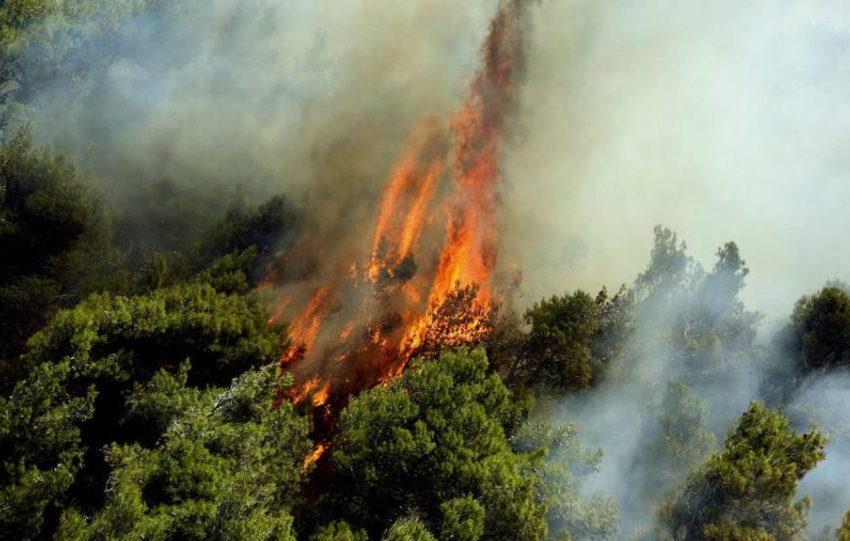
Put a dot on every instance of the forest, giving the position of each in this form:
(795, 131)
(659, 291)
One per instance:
(205, 336)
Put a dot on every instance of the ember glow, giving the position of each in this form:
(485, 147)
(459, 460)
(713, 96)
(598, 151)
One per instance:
(426, 278)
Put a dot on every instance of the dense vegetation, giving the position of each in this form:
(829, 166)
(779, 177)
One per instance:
(140, 390)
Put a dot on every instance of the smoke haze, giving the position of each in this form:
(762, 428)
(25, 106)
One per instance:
(722, 120)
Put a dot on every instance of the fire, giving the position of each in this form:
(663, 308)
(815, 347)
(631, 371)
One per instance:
(305, 328)
(405, 200)
(314, 456)
(425, 279)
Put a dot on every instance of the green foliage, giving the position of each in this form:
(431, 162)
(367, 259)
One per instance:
(150, 408)
(408, 529)
(670, 268)
(463, 520)
(727, 532)
(339, 531)
(227, 468)
(843, 533)
(562, 464)
(40, 448)
(233, 254)
(680, 441)
(570, 344)
(53, 244)
(746, 490)
(102, 373)
(41, 43)
(129, 338)
(615, 324)
(556, 352)
(431, 436)
(693, 320)
(820, 330)
(722, 285)
(266, 228)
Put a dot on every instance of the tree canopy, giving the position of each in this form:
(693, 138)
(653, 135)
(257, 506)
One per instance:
(746, 490)
(434, 435)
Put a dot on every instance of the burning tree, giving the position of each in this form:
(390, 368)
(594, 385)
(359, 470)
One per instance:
(425, 280)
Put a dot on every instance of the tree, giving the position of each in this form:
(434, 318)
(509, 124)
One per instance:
(339, 531)
(228, 468)
(128, 339)
(408, 529)
(556, 352)
(670, 270)
(678, 440)
(119, 370)
(717, 309)
(693, 320)
(41, 448)
(463, 519)
(819, 333)
(562, 465)
(843, 533)
(615, 325)
(42, 42)
(720, 288)
(53, 245)
(746, 490)
(434, 435)
(269, 227)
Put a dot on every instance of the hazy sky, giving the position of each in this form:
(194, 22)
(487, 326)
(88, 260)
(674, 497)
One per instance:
(723, 120)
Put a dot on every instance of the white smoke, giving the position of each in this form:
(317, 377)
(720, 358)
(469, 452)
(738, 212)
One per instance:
(722, 120)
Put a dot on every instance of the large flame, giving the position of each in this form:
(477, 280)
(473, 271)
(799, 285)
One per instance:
(426, 278)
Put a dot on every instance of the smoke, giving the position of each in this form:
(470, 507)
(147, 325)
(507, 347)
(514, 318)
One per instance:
(823, 400)
(310, 99)
(722, 120)
(670, 346)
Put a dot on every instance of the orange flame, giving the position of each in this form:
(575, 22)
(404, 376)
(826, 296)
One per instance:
(433, 248)
(406, 197)
(314, 456)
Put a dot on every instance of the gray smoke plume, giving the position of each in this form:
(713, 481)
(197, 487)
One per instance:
(722, 120)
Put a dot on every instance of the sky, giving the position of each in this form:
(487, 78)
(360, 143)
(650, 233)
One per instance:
(721, 120)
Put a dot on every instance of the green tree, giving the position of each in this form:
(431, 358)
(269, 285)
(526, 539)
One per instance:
(227, 468)
(126, 366)
(434, 435)
(843, 533)
(679, 441)
(41, 448)
(693, 320)
(127, 339)
(746, 490)
(819, 333)
(556, 352)
(463, 520)
(267, 228)
(562, 464)
(670, 270)
(339, 531)
(408, 529)
(615, 326)
(41, 42)
(53, 245)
